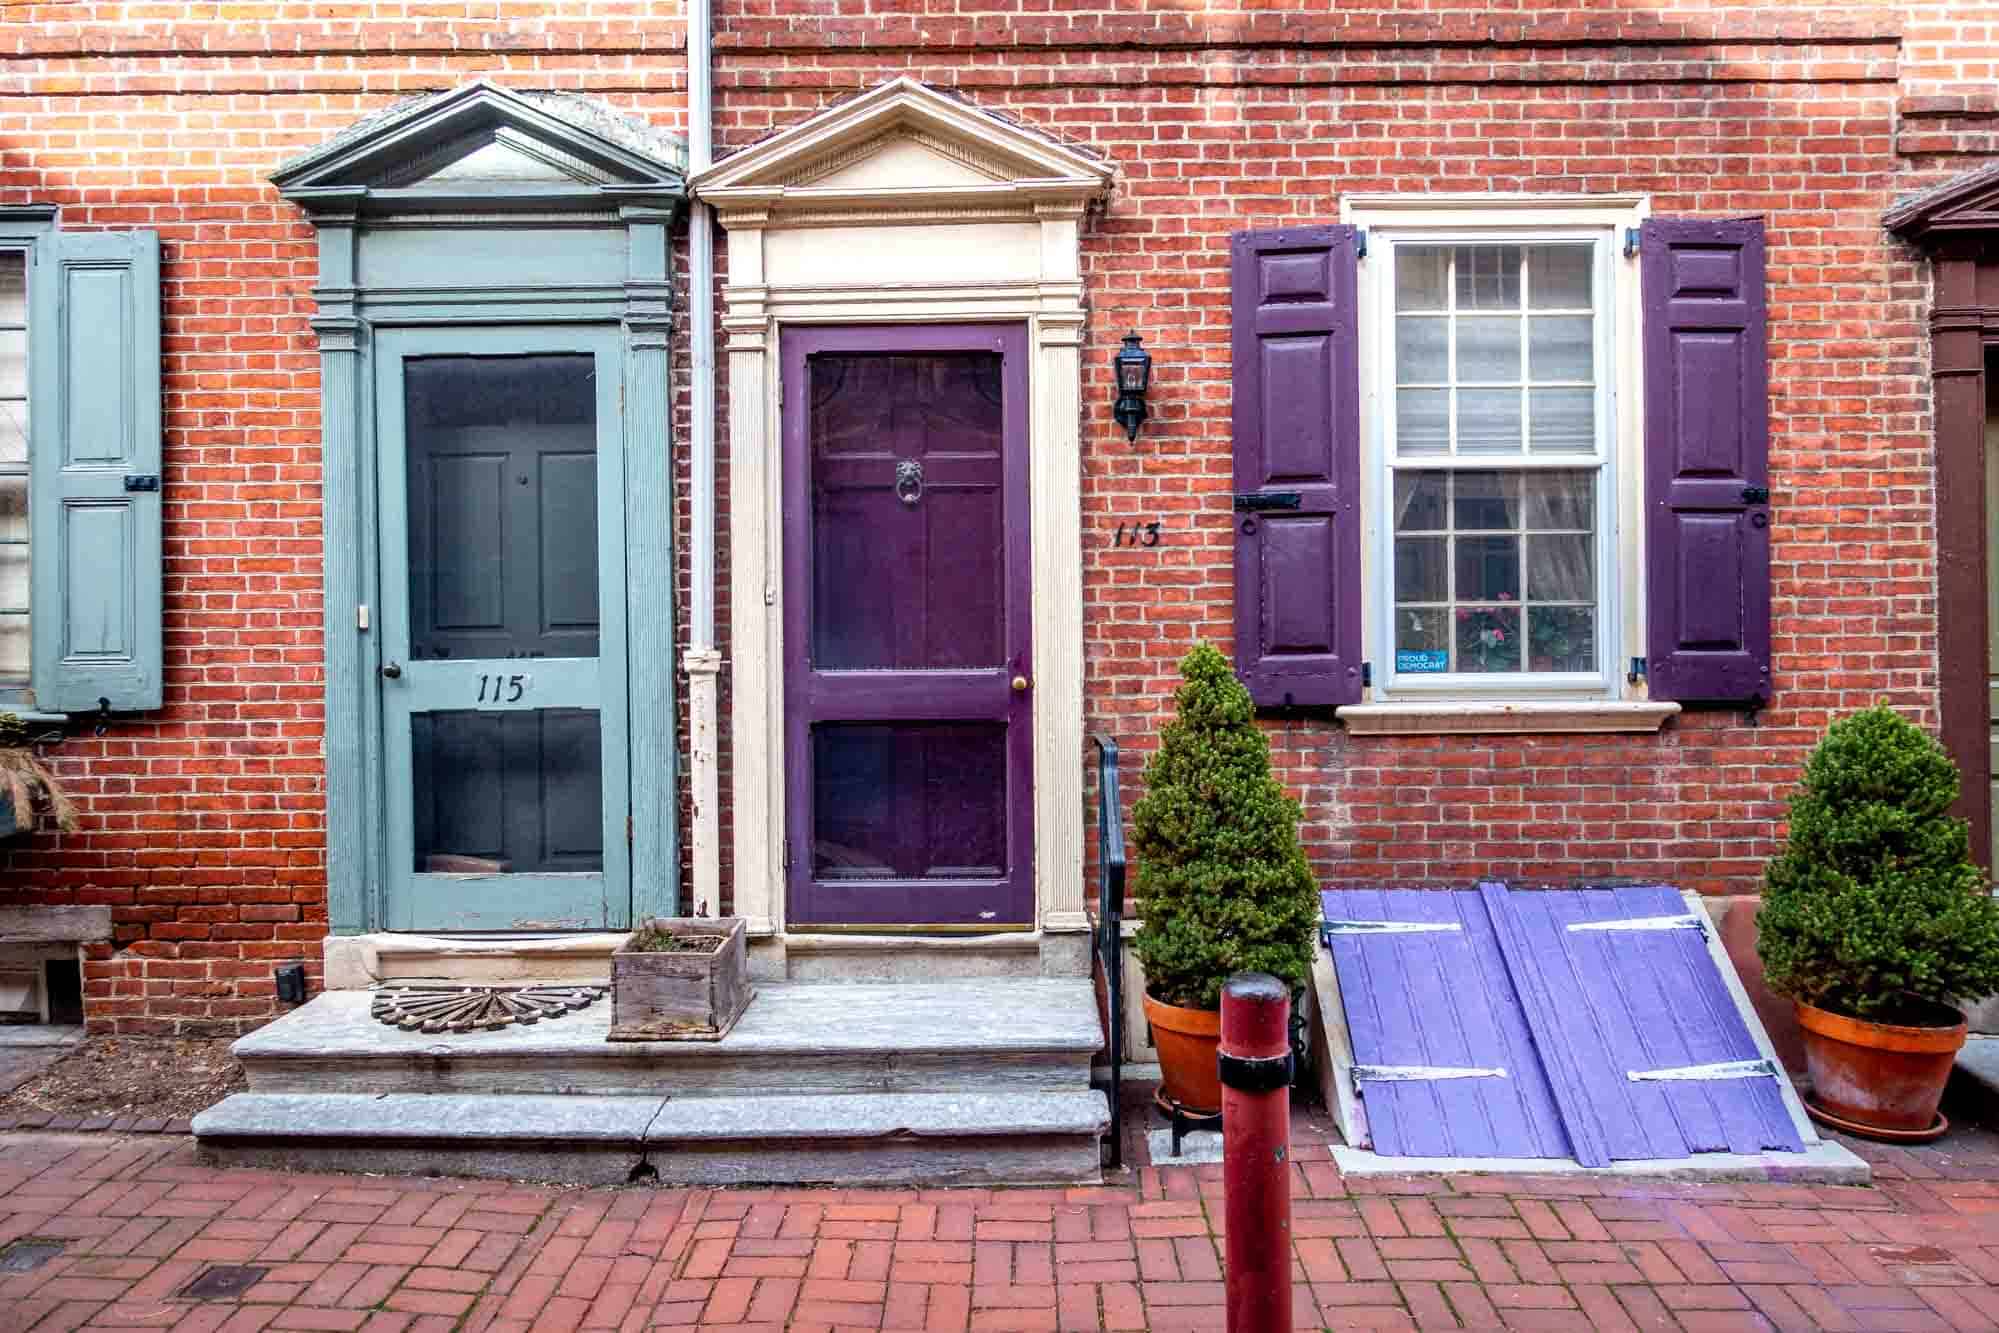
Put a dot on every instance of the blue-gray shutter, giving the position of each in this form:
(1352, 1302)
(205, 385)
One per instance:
(94, 506)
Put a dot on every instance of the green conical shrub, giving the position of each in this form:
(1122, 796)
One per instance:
(1874, 909)
(1223, 885)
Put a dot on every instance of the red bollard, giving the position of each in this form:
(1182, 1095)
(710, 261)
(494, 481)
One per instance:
(1256, 1151)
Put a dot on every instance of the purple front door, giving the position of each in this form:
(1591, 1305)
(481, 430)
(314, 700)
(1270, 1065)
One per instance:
(908, 678)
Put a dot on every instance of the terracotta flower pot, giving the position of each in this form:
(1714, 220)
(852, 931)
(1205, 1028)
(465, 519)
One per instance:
(1886, 1075)
(1189, 1042)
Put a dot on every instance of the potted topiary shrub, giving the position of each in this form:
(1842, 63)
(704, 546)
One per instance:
(1876, 923)
(1223, 885)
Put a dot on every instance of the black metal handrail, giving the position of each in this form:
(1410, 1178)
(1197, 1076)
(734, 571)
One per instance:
(1110, 928)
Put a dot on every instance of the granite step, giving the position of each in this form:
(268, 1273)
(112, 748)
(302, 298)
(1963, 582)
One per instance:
(936, 1138)
(973, 1035)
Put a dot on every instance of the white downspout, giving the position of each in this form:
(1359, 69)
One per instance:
(704, 661)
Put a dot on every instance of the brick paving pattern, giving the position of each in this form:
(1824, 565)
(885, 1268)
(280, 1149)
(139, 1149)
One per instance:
(139, 1220)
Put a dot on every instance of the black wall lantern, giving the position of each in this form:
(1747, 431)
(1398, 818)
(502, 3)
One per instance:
(1134, 373)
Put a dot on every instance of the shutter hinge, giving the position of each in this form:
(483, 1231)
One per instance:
(361, 617)
(142, 481)
(1631, 242)
(1366, 674)
(1756, 495)
(1360, 243)
(628, 830)
(787, 853)
(1637, 671)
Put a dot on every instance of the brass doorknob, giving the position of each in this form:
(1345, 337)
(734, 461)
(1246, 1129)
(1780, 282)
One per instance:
(1020, 684)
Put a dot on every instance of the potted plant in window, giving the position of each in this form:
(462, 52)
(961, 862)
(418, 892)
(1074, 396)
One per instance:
(29, 792)
(1223, 885)
(1876, 923)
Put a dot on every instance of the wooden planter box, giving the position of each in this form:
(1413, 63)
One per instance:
(681, 996)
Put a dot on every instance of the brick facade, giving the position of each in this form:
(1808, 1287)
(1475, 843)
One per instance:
(204, 826)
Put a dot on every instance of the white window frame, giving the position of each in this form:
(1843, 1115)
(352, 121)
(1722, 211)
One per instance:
(1512, 700)
(24, 230)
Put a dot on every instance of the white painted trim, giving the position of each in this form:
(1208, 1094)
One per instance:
(1513, 218)
(1821, 1163)
(1038, 280)
(1525, 716)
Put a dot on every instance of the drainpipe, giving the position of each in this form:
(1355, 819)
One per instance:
(704, 661)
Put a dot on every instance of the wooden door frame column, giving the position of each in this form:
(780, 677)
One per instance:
(1957, 226)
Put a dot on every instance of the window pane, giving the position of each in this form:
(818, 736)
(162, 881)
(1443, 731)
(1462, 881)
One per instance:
(1419, 277)
(1561, 567)
(1423, 639)
(1420, 356)
(502, 459)
(1488, 277)
(908, 800)
(1559, 277)
(1561, 638)
(508, 792)
(1419, 501)
(1488, 569)
(1488, 350)
(908, 532)
(1420, 571)
(13, 430)
(13, 363)
(1422, 421)
(14, 577)
(13, 287)
(1488, 421)
(1561, 347)
(1488, 638)
(1558, 500)
(1563, 421)
(1487, 499)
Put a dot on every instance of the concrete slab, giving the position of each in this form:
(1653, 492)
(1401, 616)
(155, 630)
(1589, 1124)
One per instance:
(968, 1035)
(1032, 1137)
(1822, 1163)
(1203, 1147)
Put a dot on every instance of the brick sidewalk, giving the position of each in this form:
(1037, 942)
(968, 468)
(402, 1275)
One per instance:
(138, 1221)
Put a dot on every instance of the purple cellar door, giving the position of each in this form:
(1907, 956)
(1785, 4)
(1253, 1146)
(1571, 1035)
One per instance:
(908, 678)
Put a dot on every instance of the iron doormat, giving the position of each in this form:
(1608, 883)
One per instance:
(435, 1008)
(223, 1282)
(25, 1256)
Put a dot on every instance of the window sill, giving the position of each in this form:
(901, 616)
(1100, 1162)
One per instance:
(1459, 717)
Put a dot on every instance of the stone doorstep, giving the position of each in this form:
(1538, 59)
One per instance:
(939, 1138)
(991, 1035)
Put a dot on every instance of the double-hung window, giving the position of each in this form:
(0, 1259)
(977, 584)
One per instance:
(1501, 463)
(16, 659)
(1496, 553)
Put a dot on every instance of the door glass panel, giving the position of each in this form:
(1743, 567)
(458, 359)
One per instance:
(502, 506)
(908, 542)
(516, 792)
(909, 800)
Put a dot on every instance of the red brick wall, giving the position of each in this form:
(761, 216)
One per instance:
(204, 823)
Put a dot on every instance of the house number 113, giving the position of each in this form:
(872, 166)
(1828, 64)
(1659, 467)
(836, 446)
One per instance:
(503, 689)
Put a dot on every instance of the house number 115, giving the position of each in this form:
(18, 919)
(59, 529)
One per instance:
(503, 689)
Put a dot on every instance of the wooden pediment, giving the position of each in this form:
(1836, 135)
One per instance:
(1962, 207)
(483, 145)
(903, 145)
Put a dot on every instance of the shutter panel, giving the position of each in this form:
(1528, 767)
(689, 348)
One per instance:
(95, 520)
(1707, 454)
(1297, 444)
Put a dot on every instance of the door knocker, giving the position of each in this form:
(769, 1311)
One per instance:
(909, 481)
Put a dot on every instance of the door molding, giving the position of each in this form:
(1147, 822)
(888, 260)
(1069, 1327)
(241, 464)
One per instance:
(905, 206)
(412, 234)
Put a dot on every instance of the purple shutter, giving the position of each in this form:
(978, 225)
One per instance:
(1707, 455)
(1297, 453)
